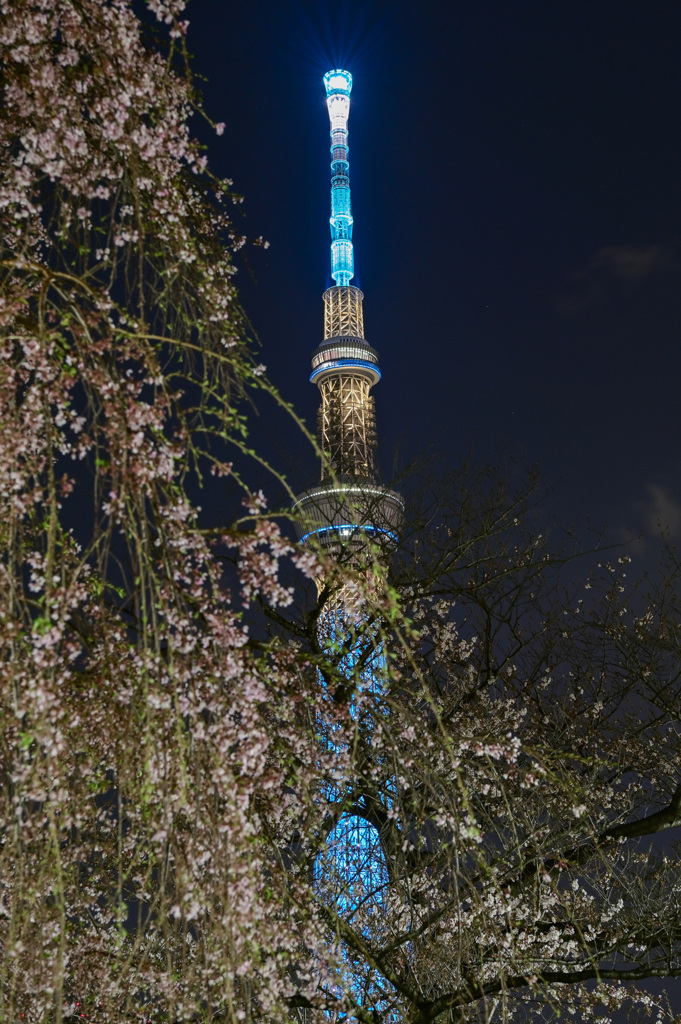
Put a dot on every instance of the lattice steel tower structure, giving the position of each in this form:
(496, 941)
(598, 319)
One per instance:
(344, 512)
(348, 505)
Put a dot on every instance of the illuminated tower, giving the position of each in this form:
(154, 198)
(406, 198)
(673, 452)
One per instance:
(345, 513)
(348, 505)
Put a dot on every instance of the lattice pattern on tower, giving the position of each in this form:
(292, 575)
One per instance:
(347, 425)
(343, 313)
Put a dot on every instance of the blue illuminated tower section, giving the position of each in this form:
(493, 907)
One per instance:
(338, 85)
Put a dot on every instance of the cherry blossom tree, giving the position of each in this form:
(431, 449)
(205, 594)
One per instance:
(180, 736)
(152, 755)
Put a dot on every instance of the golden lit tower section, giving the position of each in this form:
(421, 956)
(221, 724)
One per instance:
(348, 504)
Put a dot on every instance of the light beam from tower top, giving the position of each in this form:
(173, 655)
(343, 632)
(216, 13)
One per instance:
(338, 84)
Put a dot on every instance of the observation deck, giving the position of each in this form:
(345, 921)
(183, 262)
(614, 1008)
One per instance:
(349, 514)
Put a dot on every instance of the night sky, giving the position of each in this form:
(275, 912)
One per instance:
(516, 184)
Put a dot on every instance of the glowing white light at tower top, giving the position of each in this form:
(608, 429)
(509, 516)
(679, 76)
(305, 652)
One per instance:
(338, 85)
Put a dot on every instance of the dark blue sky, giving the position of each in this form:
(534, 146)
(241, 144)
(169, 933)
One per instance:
(516, 182)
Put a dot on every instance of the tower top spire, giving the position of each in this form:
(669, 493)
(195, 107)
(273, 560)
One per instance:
(338, 86)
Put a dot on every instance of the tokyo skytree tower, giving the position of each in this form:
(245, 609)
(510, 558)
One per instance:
(349, 505)
(348, 512)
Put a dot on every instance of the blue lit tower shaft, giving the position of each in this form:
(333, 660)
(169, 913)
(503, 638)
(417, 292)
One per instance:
(338, 85)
